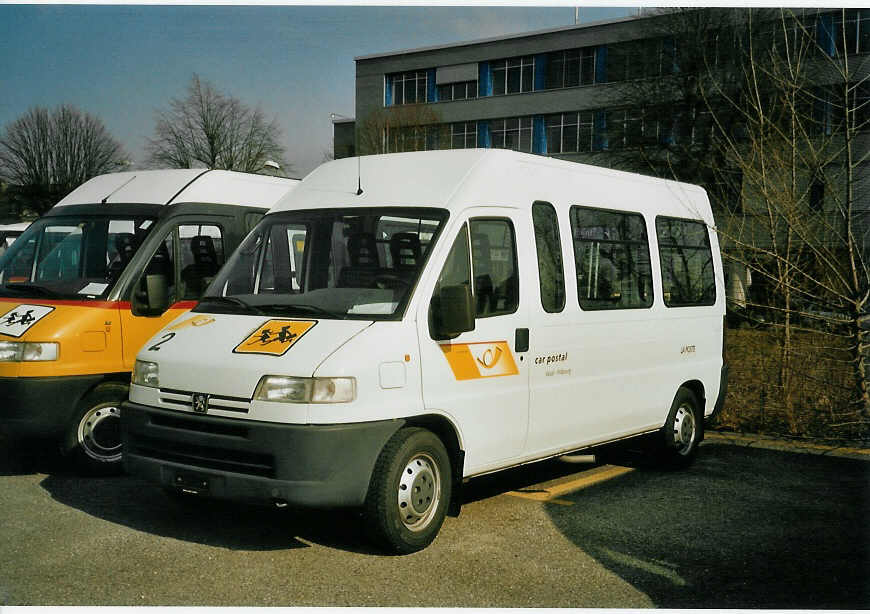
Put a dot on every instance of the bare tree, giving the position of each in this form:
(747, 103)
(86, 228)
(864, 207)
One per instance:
(212, 129)
(413, 127)
(800, 115)
(45, 154)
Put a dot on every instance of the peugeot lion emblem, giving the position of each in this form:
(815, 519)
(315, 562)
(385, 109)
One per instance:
(200, 402)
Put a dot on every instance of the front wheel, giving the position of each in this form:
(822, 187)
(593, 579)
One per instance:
(683, 430)
(93, 439)
(409, 491)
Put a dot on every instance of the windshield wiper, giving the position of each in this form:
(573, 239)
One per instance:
(41, 290)
(314, 309)
(230, 300)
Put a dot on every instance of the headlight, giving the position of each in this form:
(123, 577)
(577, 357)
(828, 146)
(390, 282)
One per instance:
(146, 374)
(286, 389)
(25, 351)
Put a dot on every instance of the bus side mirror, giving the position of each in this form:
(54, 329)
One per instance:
(154, 300)
(452, 311)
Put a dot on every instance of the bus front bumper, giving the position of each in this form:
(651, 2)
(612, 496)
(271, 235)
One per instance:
(41, 407)
(249, 461)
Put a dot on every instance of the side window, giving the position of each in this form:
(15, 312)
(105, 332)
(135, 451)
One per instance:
(687, 262)
(550, 270)
(456, 272)
(201, 253)
(494, 262)
(611, 252)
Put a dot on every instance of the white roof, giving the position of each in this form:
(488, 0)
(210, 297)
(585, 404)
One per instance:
(18, 226)
(164, 187)
(457, 179)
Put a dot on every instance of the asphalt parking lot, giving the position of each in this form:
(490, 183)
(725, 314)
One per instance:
(745, 527)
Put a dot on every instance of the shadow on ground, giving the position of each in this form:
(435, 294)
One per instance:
(742, 528)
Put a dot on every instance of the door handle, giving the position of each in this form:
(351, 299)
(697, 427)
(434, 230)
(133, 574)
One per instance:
(521, 340)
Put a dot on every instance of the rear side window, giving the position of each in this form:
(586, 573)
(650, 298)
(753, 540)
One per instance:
(494, 262)
(687, 262)
(549, 247)
(611, 253)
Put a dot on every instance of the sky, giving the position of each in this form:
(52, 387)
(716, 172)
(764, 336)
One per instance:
(123, 63)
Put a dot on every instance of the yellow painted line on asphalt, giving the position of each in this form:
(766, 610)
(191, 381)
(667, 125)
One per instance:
(590, 478)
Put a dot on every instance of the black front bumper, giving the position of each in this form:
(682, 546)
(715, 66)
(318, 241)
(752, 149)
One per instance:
(257, 462)
(723, 390)
(41, 406)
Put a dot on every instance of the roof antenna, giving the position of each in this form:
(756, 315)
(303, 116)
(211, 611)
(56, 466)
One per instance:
(103, 202)
(359, 189)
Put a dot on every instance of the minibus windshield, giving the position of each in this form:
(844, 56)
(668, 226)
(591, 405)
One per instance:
(343, 263)
(71, 257)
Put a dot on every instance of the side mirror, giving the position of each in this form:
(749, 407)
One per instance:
(155, 298)
(452, 311)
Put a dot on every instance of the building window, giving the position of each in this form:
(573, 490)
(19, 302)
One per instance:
(852, 31)
(463, 135)
(570, 132)
(513, 76)
(407, 87)
(686, 261)
(817, 194)
(571, 68)
(457, 91)
(514, 133)
(611, 254)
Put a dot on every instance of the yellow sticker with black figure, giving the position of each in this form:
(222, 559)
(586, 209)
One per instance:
(274, 337)
(478, 360)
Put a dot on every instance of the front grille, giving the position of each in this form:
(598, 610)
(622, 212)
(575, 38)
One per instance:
(199, 425)
(184, 398)
(205, 457)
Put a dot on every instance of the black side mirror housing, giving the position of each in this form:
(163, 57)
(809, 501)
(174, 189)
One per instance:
(153, 299)
(452, 311)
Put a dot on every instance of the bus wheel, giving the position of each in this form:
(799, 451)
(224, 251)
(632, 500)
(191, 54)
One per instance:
(93, 440)
(409, 491)
(682, 433)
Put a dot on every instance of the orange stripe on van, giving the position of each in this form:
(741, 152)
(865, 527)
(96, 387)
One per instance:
(479, 360)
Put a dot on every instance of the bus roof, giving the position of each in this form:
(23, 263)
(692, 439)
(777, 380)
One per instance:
(165, 187)
(457, 179)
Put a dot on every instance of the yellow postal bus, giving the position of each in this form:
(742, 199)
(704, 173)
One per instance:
(85, 285)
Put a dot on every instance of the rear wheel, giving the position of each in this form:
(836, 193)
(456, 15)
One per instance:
(682, 433)
(409, 491)
(93, 439)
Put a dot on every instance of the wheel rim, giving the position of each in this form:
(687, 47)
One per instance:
(419, 492)
(685, 429)
(99, 433)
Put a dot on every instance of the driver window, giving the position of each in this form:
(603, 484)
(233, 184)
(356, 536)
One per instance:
(162, 264)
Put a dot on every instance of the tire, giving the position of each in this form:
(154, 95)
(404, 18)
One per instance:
(409, 491)
(93, 439)
(683, 431)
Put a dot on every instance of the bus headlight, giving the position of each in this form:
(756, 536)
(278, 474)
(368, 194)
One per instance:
(27, 351)
(146, 374)
(286, 389)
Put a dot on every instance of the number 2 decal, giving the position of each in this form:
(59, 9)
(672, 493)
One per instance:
(156, 346)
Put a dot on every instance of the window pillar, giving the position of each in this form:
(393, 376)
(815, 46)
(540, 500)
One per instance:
(539, 135)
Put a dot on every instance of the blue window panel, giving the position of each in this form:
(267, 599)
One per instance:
(432, 89)
(601, 64)
(599, 137)
(825, 34)
(670, 65)
(540, 71)
(483, 137)
(388, 91)
(484, 79)
(539, 135)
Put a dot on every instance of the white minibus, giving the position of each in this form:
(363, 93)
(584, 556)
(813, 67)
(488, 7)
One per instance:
(400, 323)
